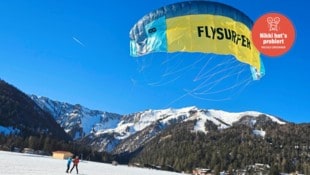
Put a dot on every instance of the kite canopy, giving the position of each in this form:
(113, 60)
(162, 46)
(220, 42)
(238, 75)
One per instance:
(197, 26)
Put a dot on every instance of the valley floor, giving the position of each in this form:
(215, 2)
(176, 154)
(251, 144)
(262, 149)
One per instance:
(30, 164)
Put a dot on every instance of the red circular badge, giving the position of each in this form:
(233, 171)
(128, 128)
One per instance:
(273, 34)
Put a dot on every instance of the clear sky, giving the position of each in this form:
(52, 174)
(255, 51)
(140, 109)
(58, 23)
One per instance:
(77, 51)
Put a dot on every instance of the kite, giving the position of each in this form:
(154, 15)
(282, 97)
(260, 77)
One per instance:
(197, 26)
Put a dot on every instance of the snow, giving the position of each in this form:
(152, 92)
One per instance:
(259, 133)
(256, 114)
(120, 127)
(200, 126)
(7, 130)
(276, 120)
(224, 119)
(88, 122)
(29, 164)
(232, 117)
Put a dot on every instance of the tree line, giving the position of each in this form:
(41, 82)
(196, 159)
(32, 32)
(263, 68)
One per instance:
(46, 145)
(286, 148)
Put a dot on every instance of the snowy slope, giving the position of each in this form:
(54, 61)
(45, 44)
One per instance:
(30, 164)
(104, 130)
(226, 119)
(77, 120)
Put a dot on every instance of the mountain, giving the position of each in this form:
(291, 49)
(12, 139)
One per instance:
(172, 139)
(279, 147)
(185, 138)
(128, 133)
(155, 122)
(21, 115)
(77, 120)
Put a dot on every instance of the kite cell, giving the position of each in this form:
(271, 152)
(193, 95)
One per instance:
(197, 26)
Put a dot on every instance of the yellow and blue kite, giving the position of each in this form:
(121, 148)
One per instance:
(197, 26)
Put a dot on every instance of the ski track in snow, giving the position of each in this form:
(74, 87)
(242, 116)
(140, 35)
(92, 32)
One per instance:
(30, 164)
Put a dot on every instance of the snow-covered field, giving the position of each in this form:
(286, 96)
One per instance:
(30, 164)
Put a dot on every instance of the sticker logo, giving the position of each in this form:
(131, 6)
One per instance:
(273, 34)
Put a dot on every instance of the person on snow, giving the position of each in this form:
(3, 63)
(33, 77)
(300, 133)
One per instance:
(75, 164)
(68, 164)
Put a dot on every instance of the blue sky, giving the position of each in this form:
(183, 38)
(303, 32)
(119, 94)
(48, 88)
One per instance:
(77, 51)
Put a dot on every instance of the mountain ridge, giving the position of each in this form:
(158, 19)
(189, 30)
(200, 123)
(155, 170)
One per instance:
(181, 139)
(105, 131)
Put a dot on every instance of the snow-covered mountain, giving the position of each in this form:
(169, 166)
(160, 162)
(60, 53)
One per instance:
(77, 120)
(107, 131)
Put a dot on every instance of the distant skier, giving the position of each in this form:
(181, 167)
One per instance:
(68, 164)
(75, 164)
